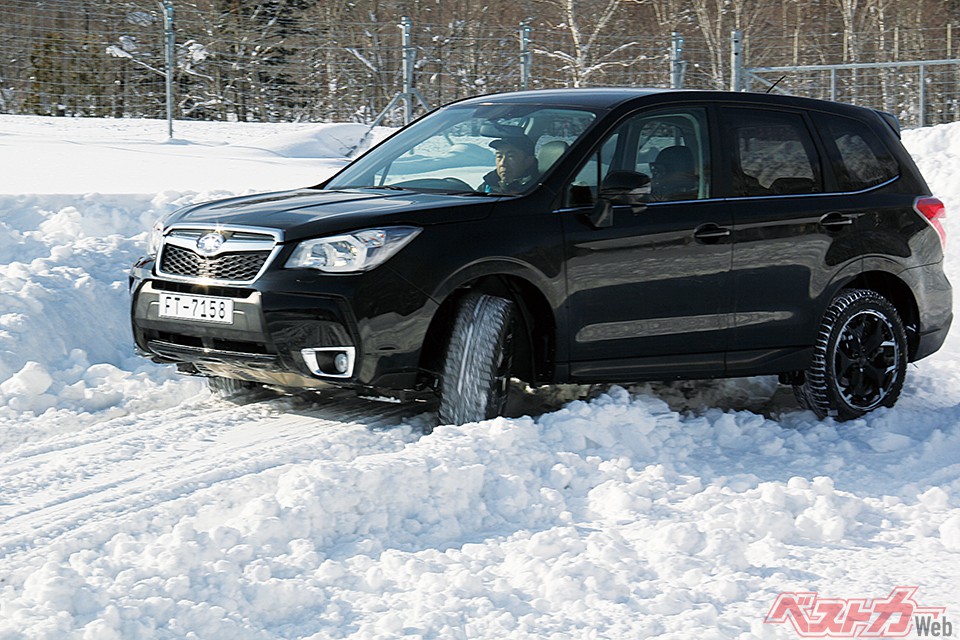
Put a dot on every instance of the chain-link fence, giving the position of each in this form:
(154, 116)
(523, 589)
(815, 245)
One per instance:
(266, 62)
(895, 71)
(109, 61)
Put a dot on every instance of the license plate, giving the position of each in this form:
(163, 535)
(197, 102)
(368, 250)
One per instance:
(199, 308)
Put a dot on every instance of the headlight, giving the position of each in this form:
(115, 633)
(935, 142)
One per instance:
(351, 252)
(155, 239)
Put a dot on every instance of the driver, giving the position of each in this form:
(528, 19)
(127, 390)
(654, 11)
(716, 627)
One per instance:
(516, 166)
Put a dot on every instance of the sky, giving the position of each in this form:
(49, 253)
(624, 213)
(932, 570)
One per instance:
(135, 505)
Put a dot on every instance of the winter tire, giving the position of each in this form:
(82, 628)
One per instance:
(476, 372)
(860, 359)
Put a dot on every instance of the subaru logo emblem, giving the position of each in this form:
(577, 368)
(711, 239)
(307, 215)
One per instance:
(210, 243)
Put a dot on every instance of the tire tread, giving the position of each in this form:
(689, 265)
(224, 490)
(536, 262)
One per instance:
(481, 327)
(815, 393)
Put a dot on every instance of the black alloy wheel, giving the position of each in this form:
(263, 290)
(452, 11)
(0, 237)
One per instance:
(860, 358)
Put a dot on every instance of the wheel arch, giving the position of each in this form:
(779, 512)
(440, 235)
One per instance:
(900, 295)
(534, 341)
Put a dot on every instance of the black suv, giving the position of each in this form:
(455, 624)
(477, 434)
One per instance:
(569, 236)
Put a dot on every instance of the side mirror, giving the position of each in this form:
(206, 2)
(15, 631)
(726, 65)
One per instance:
(628, 188)
(601, 216)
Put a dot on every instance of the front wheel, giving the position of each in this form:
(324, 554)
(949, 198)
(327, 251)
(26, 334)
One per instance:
(476, 372)
(860, 359)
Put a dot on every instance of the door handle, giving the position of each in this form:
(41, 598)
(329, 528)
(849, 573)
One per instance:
(834, 220)
(710, 231)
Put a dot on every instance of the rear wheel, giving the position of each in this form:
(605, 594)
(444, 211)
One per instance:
(476, 372)
(860, 359)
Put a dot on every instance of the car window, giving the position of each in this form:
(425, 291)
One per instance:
(455, 150)
(668, 148)
(583, 190)
(861, 160)
(773, 153)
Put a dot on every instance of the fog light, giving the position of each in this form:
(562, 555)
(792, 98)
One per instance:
(330, 362)
(341, 362)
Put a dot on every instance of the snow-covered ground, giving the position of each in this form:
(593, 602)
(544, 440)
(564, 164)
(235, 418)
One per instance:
(135, 505)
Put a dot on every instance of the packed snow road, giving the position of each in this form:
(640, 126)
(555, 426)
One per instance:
(126, 467)
(134, 505)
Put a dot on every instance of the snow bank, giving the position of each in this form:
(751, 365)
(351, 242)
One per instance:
(935, 151)
(320, 141)
(64, 300)
(81, 156)
(64, 257)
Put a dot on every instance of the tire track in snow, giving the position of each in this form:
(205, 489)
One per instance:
(123, 468)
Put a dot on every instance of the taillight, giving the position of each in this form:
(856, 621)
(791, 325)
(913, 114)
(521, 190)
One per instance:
(933, 212)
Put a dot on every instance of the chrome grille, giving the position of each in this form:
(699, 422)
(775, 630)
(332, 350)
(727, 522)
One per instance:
(178, 261)
(239, 258)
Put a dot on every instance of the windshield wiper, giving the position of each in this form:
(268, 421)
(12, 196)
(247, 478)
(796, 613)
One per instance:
(485, 194)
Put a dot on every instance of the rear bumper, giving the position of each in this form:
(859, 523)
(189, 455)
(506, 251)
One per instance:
(931, 342)
(934, 296)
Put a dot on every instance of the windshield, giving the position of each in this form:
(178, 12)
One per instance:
(498, 149)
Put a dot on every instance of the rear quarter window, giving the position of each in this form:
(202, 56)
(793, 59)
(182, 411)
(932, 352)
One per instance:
(860, 158)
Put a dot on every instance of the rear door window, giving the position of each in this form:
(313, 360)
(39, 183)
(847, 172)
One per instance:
(772, 153)
(860, 159)
(672, 149)
(668, 148)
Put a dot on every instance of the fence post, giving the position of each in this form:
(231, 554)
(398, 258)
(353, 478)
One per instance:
(923, 95)
(677, 65)
(169, 44)
(736, 60)
(409, 91)
(525, 56)
(409, 57)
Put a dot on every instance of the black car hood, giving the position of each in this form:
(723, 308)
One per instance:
(308, 213)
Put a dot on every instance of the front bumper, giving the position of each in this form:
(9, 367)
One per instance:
(283, 332)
